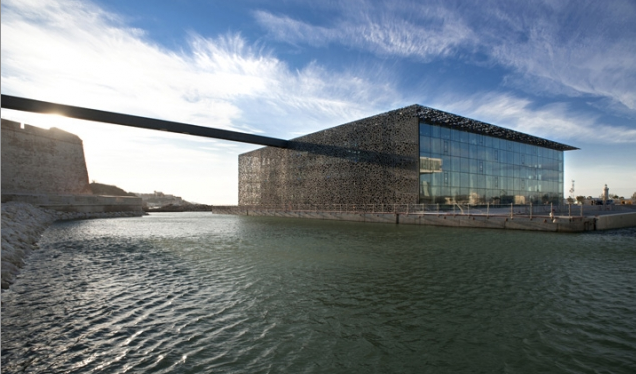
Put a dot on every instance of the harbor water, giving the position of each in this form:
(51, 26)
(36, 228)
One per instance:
(205, 293)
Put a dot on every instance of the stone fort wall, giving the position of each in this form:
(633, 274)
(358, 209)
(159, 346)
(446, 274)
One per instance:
(369, 161)
(40, 161)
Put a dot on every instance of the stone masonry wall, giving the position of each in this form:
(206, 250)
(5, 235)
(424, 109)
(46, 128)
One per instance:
(40, 161)
(369, 161)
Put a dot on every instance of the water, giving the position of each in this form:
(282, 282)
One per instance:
(200, 293)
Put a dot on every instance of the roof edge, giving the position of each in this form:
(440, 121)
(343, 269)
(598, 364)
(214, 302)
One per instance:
(441, 118)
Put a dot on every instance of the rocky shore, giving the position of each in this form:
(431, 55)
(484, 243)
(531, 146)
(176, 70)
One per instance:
(22, 226)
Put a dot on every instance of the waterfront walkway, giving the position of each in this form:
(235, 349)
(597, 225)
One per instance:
(563, 218)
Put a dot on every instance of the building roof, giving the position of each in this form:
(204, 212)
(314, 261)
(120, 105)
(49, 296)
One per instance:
(441, 118)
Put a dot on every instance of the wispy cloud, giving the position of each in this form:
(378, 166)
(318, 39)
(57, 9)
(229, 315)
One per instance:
(76, 53)
(586, 48)
(551, 48)
(425, 32)
(557, 121)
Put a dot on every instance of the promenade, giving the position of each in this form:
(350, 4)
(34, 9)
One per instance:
(562, 218)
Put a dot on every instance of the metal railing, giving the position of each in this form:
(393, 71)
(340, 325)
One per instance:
(505, 210)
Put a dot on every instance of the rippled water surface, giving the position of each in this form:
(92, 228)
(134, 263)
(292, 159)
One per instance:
(203, 293)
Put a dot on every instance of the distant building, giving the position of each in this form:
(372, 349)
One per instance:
(410, 155)
(158, 199)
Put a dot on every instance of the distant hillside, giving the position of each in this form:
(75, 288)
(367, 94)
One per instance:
(106, 189)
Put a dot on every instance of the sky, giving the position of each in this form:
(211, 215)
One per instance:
(562, 70)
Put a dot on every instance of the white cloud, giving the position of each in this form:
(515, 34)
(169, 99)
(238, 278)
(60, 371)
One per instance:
(552, 48)
(424, 32)
(587, 49)
(555, 121)
(75, 53)
(604, 149)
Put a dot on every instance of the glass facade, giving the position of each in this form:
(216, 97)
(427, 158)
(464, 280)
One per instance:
(464, 167)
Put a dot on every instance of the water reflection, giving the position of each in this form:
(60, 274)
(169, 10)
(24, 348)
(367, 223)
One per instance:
(203, 293)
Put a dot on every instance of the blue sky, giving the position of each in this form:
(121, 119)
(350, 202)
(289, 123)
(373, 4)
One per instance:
(561, 70)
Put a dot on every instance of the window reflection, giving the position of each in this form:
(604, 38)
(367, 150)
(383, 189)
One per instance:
(457, 166)
(430, 165)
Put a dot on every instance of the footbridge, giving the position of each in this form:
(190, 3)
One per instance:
(37, 106)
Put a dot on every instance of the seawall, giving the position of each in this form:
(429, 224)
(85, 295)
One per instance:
(22, 226)
(536, 223)
(44, 179)
(616, 221)
(79, 203)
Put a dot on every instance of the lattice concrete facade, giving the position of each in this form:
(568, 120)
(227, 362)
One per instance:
(370, 161)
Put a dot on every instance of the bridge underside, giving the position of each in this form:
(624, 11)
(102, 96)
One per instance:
(37, 106)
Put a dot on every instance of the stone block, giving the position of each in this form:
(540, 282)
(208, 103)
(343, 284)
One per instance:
(40, 161)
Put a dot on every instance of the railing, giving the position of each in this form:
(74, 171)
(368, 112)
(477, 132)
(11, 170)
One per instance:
(507, 210)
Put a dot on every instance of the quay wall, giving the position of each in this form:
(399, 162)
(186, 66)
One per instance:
(79, 203)
(559, 224)
(616, 221)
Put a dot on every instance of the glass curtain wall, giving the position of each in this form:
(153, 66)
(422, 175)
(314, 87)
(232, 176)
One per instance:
(463, 167)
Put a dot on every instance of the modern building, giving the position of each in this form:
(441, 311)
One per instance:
(406, 156)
